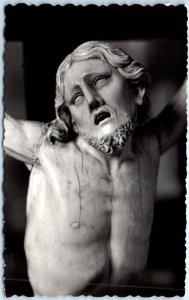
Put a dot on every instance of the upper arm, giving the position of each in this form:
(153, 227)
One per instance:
(171, 122)
(22, 138)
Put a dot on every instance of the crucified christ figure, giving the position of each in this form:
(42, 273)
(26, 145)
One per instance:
(93, 173)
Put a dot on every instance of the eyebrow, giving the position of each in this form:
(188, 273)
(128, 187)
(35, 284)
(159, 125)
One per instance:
(72, 93)
(92, 74)
(88, 75)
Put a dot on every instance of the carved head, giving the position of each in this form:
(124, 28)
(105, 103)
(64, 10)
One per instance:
(98, 89)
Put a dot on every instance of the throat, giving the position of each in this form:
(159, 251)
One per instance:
(111, 162)
(119, 157)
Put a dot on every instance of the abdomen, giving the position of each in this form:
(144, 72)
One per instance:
(67, 249)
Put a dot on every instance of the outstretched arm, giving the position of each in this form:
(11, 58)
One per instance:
(171, 122)
(22, 138)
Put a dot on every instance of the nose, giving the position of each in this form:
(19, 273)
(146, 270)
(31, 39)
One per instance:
(95, 103)
(93, 99)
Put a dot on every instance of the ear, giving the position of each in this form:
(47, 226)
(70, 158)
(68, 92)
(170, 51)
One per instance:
(140, 95)
(63, 115)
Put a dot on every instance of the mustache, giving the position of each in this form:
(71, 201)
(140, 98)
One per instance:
(96, 103)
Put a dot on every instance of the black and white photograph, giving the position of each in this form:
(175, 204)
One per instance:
(94, 139)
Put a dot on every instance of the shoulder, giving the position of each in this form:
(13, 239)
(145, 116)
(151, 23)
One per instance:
(57, 150)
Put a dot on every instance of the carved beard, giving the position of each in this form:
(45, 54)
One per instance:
(112, 143)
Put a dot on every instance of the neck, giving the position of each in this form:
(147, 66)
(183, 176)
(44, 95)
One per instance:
(112, 161)
(116, 159)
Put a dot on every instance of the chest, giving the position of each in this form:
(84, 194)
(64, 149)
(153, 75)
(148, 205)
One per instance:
(83, 186)
(73, 200)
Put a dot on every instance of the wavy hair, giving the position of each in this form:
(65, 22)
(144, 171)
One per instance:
(61, 129)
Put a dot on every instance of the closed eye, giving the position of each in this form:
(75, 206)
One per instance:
(100, 80)
(77, 98)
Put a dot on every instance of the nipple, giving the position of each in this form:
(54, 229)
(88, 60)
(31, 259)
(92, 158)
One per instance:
(75, 225)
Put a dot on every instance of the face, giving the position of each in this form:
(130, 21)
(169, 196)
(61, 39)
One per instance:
(98, 97)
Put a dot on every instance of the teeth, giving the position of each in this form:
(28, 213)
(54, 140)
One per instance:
(101, 116)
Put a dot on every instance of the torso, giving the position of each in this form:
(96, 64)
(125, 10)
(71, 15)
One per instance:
(88, 227)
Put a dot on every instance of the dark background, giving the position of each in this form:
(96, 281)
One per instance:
(37, 40)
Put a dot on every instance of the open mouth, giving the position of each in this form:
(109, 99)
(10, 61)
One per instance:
(101, 117)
